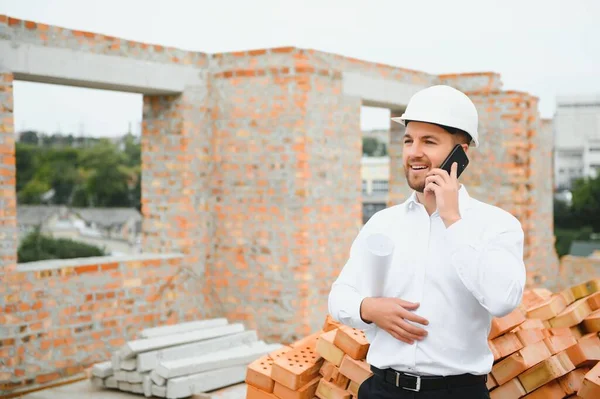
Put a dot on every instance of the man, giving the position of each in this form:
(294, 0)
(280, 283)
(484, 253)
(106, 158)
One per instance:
(457, 262)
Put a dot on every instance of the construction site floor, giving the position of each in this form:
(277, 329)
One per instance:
(85, 390)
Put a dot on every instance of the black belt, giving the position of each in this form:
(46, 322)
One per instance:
(417, 383)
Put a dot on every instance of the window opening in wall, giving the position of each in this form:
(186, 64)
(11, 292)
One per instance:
(78, 167)
(375, 126)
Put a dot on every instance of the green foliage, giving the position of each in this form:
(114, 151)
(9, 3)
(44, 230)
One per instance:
(581, 219)
(586, 202)
(37, 246)
(92, 173)
(372, 147)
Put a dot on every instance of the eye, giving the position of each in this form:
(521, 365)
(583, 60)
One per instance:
(430, 142)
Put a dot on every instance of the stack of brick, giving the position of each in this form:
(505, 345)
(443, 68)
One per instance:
(181, 360)
(549, 347)
(329, 364)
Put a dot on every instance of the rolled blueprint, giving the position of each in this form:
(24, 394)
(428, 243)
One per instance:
(378, 252)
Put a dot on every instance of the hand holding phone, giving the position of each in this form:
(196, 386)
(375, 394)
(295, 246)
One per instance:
(457, 155)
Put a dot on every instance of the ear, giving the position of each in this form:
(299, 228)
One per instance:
(465, 147)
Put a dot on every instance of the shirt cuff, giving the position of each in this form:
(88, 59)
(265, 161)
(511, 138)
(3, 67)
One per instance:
(354, 318)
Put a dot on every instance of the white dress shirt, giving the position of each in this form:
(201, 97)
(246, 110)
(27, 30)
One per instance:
(462, 276)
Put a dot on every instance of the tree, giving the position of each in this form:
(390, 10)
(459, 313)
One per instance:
(586, 202)
(37, 246)
(29, 137)
(373, 147)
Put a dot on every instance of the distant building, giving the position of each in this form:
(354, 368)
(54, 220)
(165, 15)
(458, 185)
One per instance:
(117, 230)
(576, 139)
(375, 172)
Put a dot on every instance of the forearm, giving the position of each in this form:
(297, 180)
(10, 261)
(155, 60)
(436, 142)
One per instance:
(491, 269)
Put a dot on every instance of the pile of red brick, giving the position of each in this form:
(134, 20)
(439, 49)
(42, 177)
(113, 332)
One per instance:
(547, 348)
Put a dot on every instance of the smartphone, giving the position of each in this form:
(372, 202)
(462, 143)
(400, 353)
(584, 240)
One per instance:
(457, 155)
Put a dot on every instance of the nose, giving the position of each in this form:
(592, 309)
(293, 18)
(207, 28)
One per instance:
(414, 150)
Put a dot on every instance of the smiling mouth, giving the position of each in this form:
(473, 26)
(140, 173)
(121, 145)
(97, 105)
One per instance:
(418, 168)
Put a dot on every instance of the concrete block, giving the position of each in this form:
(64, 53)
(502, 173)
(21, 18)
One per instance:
(133, 377)
(161, 392)
(111, 382)
(149, 360)
(188, 385)
(241, 355)
(97, 382)
(102, 370)
(124, 386)
(116, 361)
(129, 364)
(147, 385)
(137, 388)
(157, 379)
(182, 327)
(132, 348)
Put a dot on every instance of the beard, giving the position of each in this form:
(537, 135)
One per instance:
(414, 182)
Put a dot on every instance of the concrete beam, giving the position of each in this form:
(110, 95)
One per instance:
(231, 357)
(182, 387)
(182, 327)
(132, 348)
(379, 92)
(35, 63)
(149, 360)
(102, 370)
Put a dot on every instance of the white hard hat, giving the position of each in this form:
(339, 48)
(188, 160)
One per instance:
(443, 105)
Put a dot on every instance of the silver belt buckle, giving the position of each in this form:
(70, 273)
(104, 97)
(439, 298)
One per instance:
(418, 385)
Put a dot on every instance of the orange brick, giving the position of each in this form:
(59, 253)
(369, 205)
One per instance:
(353, 388)
(590, 387)
(501, 325)
(339, 379)
(585, 289)
(309, 341)
(491, 382)
(355, 370)
(520, 361)
(585, 353)
(559, 343)
(552, 390)
(531, 324)
(328, 390)
(572, 315)
(255, 393)
(547, 309)
(296, 368)
(353, 342)
(507, 344)
(528, 337)
(258, 374)
(330, 324)
(327, 370)
(592, 322)
(546, 371)
(509, 390)
(571, 382)
(328, 350)
(305, 392)
(594, 301)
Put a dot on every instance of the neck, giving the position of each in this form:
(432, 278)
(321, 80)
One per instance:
(428, 202)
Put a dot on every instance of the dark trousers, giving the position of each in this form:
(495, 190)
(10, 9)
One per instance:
(376, 388)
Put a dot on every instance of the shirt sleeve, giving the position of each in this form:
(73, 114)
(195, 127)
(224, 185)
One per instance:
(490, 265)
(345, 297)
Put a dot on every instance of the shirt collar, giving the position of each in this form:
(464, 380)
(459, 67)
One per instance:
(464, 200)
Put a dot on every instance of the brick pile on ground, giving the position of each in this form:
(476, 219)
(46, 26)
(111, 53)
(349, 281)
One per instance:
(178, 361)
(327, 364)
(547, 348)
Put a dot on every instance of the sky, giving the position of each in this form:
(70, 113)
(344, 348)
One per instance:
(543, 47)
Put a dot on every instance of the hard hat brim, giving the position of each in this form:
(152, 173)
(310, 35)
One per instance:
(402, 121)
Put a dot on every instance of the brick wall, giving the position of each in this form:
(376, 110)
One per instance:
(576, 270)
(65, 315)
(284, 142)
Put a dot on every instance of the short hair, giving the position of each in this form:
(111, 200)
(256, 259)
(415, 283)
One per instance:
(460, 136)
